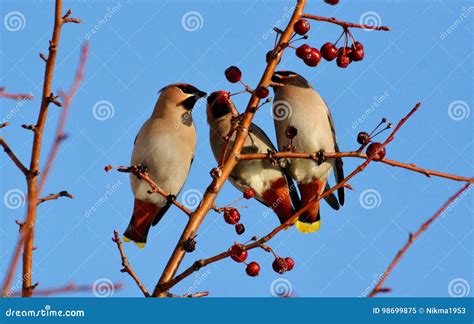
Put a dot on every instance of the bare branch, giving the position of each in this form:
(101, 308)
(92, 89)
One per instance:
(13, 157)
(345, 24)
(18, 96)
(411, 239)
(55, 196)
(126, 265)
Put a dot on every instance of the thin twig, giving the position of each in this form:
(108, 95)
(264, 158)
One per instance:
(13, 157)
(154, 188)
(17, 96)
(345, 24)
(126, 265)
(69, 288)
(353, 154)
(411, 239)
(55, 196)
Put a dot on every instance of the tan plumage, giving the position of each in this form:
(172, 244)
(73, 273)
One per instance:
(165, 146)
(309, 114)
(269, 182)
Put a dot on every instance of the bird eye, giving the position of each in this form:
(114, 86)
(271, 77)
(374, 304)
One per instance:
(186, 88)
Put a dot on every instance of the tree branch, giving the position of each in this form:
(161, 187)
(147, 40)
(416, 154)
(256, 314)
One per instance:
(153, 186)
(55, 196)
(126, 265)
(18, 96)
(345, 24)
(355, 154)
(13, 157)
(69, 288)
(411, 239)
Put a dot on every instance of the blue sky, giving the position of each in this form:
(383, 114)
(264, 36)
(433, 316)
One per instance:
(140, 46)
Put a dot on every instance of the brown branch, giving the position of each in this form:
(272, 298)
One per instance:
(13, 157)
(126, 265)
(18, 96)
(345, 24)
(27, 231)
(5, 124)
(55, 196)
(260, 243)
(411, 239)
(69, 288)
(212, 191)
(154, 188)
(355, 154)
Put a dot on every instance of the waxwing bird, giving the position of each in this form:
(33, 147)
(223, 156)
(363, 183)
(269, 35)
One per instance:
(305, 110)
(271, 185)
(165, 146)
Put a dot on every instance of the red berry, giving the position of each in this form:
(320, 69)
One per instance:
(332, 2)
(290, 263)
(240, 229)
(363, 138)
(253, 268)
(329, 51)
(261, 92)
(347, 51)
(231, 216)
(279, 265)
(291, 132)
(357, 45)
(240, 257)
(223, 97)
(303, 50)
(357, 54)
(302, 26)
(249, 193)
(313, 58)
(343, 61)
(376, 152)
(233, 74)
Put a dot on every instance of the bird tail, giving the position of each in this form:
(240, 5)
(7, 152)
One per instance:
(279, 200)
(143, 215)
(310, 221)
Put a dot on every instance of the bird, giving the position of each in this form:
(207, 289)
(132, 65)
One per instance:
(164, 147)
(297, 104)
(271, 185)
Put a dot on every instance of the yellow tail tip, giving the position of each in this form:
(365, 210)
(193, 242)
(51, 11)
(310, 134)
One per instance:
(141, 245)
(306, 228)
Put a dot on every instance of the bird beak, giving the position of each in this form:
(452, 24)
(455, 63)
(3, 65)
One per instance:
(200, 94)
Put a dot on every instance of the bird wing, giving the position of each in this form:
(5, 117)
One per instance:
(338, 170)
(295, 199)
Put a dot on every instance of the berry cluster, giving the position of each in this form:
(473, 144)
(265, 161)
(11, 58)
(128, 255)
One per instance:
(232, 215)
(279, 265)
(376, 151)
(345, 55)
